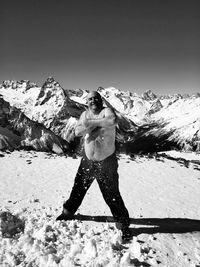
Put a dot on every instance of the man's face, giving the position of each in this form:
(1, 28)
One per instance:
(94, 101)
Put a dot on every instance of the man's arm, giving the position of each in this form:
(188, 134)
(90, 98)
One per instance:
(81, 129)
(108, 121)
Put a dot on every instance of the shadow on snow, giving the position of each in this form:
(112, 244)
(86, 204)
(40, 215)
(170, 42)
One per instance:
(151, 225)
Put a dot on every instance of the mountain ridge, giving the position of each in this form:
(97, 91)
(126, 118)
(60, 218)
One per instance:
(158, 121)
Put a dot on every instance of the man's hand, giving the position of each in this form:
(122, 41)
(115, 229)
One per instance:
(82, 126)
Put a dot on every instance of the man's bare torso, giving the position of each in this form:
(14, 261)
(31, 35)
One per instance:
(99, 144)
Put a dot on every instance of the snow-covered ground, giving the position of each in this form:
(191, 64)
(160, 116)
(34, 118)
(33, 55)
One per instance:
(161, 194)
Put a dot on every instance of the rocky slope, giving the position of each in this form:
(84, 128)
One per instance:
(19, 132)
(145, 123)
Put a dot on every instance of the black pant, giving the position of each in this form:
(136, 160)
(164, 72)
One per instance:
(105, 172)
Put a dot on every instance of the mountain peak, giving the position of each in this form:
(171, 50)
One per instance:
(51, 89)
(149, 95)
(51, 82)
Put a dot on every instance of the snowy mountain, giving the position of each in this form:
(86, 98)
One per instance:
(172, 119)
(45, 105)
(145, 123)
(18, 131)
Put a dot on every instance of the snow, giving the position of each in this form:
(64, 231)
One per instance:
(161, 194)
(24, 100)
(183, 117)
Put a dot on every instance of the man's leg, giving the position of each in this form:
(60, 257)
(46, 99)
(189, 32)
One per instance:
(108, 181)
(82, 182)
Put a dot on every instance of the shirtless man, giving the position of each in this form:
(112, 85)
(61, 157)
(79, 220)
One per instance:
(98, 126)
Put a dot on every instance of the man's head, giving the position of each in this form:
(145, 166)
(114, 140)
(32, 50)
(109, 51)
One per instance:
(94, 101)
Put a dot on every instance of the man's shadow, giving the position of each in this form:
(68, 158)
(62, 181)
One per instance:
(150, 225)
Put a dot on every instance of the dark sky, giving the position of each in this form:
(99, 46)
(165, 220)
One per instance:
(133, 45)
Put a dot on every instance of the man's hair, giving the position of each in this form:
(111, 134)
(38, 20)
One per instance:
(96, 93)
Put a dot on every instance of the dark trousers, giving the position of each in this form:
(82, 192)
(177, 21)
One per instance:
(105, 172)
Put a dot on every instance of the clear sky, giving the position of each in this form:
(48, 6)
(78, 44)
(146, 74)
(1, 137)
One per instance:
(133, 45)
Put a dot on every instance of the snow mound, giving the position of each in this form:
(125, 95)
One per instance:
(42, 241)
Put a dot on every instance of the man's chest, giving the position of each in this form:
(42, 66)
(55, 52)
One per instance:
(92, 116)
